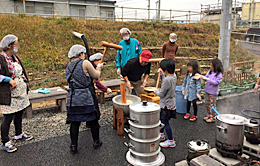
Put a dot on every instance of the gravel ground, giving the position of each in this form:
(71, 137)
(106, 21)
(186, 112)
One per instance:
(51, 123)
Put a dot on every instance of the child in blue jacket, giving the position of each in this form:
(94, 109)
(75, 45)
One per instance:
(191, 89)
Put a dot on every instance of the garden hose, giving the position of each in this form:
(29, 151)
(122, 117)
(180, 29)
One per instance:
(254, 161)
(255, 117)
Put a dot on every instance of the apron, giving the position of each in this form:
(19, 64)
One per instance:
(90, 87)
(19, 97)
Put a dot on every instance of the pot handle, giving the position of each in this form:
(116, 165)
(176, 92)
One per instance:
(224, 130)
(132, 119)
(250, 132)
(162, 125)
(128, 131)
(129, 145)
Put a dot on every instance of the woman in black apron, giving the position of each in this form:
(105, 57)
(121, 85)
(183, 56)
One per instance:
(82, 103)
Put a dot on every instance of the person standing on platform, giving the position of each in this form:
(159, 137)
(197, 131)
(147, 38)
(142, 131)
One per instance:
(170, 48)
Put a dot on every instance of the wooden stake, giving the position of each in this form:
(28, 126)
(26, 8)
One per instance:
(225, 75)
(158, 80)
(104, 53)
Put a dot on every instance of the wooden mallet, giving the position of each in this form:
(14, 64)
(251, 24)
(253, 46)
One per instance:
(109, 45)
(123, 92)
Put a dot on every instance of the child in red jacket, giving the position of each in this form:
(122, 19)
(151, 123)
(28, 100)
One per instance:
(95, 59)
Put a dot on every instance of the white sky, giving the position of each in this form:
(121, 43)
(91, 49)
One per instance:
(193, 5)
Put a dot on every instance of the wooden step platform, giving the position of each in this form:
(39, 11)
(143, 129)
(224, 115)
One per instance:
(251, 149)
(224, 160)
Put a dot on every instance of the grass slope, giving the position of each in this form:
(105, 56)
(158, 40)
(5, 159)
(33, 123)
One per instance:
(45, 42)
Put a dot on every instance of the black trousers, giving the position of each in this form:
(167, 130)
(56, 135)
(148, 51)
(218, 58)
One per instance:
(195, 107)
(8, 118)
(74, 131)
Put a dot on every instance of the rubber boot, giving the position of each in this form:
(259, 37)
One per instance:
(73, 149)
(97, 144)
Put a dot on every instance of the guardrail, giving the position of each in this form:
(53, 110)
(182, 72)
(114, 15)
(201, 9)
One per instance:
(248, 38)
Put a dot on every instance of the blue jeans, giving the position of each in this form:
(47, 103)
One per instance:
(167, 128)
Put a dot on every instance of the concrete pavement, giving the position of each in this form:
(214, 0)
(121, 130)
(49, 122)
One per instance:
(254, 48)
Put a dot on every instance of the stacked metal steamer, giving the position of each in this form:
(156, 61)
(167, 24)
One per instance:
(144, 134)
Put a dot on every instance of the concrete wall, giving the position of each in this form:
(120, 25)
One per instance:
(7, 7)
(216, 18)
(251, 11)
(213, 18)
(236, 103)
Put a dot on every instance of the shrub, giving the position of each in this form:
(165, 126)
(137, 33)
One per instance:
(21, 15)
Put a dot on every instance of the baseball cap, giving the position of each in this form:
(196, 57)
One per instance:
(146, 55)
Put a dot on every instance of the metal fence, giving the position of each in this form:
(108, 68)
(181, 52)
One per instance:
(96, 11)
(247, 23)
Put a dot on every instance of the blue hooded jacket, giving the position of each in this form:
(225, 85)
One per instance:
(130, 50)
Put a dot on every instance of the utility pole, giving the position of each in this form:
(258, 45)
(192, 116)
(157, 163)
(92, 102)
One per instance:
(149, 7)
(159, 10)
(225, 33)
(135, 14)
(235, 14)
(156, 10)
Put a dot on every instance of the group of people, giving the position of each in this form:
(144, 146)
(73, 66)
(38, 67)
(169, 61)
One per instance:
(191, 89)
(132, 63)
(82, 75)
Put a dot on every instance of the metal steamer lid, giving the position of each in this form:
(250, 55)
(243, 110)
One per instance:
(144, 107)
(232, 119)
(252, 123)
(198, 145)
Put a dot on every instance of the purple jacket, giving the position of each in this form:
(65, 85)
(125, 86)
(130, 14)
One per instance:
(212, 84)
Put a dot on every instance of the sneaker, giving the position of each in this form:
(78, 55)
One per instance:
(187, 116)
(168, 144)
(210, 120)
(162, 138)
(9, 147)
(206, 118)
(193, 118)
(97, 144)
(23, 137)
